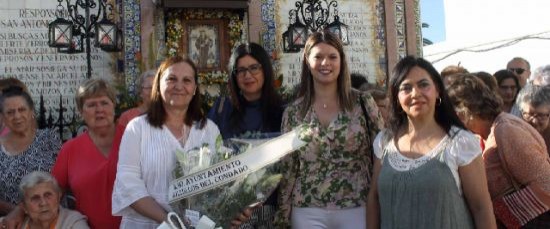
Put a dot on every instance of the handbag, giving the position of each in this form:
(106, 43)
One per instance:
(367, 120)
(169, 223)
(521, 204)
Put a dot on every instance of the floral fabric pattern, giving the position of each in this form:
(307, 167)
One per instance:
(333, 170)
(40, 156)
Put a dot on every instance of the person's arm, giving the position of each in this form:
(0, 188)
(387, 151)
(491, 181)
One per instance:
(289, 170)
(244, 216)
(5, 207)
(60, 168)
(81, 223)
(525, 155)
(129, 190)
(523, 152)
(148, 207)
(373, 206)
(475, 190)
(15, 218)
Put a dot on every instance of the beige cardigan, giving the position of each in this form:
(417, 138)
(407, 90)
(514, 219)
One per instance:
(67, 219)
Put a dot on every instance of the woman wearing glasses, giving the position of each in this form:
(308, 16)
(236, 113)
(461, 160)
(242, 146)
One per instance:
(253, 105)
(253, 110)
(534, 103)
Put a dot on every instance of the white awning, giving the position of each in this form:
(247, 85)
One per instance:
(233, 4)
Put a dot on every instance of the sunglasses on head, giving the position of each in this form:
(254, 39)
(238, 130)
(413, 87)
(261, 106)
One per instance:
(518, 71)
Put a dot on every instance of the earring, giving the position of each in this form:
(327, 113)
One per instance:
(438, 101)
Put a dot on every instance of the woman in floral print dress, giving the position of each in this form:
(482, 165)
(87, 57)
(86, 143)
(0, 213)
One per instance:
(326, 182)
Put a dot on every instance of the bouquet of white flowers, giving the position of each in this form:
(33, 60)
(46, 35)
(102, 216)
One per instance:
(219, 185)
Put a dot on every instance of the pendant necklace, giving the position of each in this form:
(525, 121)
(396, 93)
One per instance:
(324, 106)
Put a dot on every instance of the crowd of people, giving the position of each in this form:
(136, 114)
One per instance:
(449, 149)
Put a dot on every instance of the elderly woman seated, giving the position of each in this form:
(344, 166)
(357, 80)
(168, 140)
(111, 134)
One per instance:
(41, 196)
(534, 103)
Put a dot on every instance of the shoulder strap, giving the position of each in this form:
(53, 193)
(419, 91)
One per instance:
(220, 106)
(365, 112)
(367, 120)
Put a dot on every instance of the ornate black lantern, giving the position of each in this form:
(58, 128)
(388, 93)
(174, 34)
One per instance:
(297, 34)
(106, 35)
(340, 29)
(76, 45)
(286, 44)
(60, 33)
(70, 36)
(315, 15)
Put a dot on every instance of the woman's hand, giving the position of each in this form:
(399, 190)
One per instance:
(244, 215)
(14, 219)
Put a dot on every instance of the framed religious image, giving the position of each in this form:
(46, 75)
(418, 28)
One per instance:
(205, 42)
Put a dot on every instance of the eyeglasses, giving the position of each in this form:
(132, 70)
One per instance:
(538, 116)
(253, 69)
(518, 71)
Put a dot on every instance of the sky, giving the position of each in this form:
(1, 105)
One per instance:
(432, 12)
(485, 35)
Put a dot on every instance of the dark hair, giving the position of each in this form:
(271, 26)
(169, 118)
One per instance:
(471, 93)
(445, 114)
(345, 96)
(156, 114)
(15, 91)
(357, 80)
(505, 74)
(270, 100)
(8, 82)
(488, 79)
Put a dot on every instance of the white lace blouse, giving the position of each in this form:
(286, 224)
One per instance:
(462, 150)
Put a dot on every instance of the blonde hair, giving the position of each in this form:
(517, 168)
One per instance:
(94, 88)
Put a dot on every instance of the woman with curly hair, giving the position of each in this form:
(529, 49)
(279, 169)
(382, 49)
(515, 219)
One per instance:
(515, 155)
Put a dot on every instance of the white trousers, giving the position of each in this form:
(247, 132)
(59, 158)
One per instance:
(349, 218)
